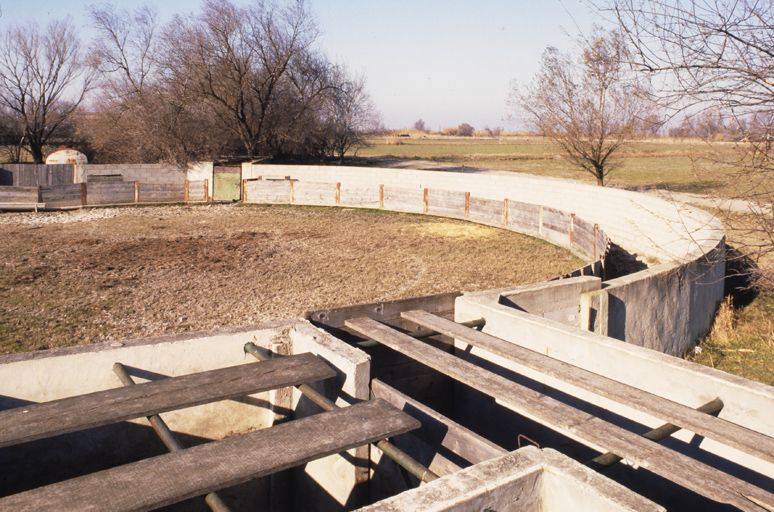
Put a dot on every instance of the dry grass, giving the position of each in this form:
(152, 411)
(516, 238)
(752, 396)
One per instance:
(742, 340)
(90, 276)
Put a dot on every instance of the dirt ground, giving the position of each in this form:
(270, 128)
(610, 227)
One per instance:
(86, 276)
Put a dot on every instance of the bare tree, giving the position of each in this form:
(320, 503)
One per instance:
(591, 106)
(231, 82)
(43, 79)
(719, 57)
(349, 115)
(250, 65)
(142, 116)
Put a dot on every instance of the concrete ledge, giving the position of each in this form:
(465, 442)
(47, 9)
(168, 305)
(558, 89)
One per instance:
(525, 480)
(22, 206)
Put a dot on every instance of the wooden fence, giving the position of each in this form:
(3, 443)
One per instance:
(104, 193)
(36, 175)
(562, 228)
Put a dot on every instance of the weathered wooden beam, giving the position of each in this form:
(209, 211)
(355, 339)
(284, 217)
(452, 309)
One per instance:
(576, 424)
(57, 417)
(438, 430)
(730, 434)
(174, 477)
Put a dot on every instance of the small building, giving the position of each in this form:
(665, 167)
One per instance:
(65, 155)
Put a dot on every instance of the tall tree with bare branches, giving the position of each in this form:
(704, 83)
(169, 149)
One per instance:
(43, 79)
(590, 105)
(718, 57)
(252, 66)
(141, 115)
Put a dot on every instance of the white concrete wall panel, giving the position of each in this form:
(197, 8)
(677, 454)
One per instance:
(665, 307)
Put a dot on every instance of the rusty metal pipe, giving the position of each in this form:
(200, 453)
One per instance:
(422, 333)
(214, 501)
(657, 434)
(390, 450)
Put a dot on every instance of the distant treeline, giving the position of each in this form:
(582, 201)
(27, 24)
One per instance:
(230, 83)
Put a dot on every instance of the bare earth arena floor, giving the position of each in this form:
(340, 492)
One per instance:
(85, 276)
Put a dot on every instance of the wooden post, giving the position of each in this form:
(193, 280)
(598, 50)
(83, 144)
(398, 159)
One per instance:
(381, 196)
(540, 221)
(136, 191)
(206, 190)
(187, 191)
(505, 212)
(338, 193)
(467, 204)
(572, 228)
(244, 191)
(595, 241)
(83, 194)
(291, 191)
(424, 202)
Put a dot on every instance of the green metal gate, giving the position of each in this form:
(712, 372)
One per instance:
(227, 183)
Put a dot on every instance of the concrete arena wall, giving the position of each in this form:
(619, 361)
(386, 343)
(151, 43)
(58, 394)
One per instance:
(666, 307)
(145, 173)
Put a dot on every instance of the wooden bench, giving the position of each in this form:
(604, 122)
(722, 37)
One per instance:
(177, 476)
(66, 415)
(576, 424)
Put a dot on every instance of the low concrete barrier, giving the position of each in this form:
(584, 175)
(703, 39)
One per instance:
(666, 307)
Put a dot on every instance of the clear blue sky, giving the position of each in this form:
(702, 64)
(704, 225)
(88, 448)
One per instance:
(445, 61)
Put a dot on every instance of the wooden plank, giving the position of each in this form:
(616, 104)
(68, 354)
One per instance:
(49, 419)
(196, 471)
(711, 427)
(674, 466)
(384, 310)
(438, 430)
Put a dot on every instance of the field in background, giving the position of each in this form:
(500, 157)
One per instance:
(662, 163)
(742, 341)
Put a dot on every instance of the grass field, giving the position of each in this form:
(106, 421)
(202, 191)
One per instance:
(664, 163)
(742, 341)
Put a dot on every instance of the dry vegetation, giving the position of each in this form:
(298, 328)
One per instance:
(79, 277)
(742, 340)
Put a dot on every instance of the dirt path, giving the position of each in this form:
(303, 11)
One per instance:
(85, 276)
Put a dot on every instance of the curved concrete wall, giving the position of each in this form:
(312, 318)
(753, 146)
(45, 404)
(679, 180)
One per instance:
(666, 307)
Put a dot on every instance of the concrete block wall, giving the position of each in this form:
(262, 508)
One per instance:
(666, 307)
(144, 173)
